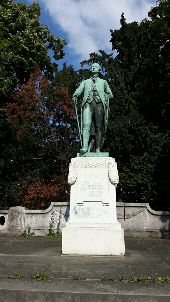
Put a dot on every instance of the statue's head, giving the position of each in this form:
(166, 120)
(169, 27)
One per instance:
(95, 68)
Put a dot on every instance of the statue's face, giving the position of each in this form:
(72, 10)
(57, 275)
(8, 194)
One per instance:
(95, 68)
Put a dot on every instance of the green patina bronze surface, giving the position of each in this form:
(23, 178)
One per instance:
(94, 94)
(93, 154)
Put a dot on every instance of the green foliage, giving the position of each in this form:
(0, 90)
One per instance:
(145, 279)
(66, 77)
(79, 277)
(107, 278)
(136, 279)
(39, 276)
(38, 153)
(42, 277)
(128, 279)
(52, 233)
(25, 42)
(27, 232)
(18, 276)
(163, 279)
(138, 74)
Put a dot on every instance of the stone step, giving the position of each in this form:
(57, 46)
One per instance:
(82, 278)
(84, 291)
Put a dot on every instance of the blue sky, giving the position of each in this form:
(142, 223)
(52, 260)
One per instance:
(86, 24)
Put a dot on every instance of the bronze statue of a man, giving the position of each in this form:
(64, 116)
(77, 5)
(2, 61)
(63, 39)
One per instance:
(94, 110)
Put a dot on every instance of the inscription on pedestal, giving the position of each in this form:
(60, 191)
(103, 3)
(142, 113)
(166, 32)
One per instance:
(92, 190)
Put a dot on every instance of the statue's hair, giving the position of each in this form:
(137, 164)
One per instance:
(97, 64)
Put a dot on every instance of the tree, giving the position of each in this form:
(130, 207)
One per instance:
(32, 149)
(143, 60)
(44, 138)
(139, 126)
(25, 42)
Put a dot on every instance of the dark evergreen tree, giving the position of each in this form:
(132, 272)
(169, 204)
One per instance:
(138, 131)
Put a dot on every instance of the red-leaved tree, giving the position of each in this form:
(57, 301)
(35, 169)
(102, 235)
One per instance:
(44, 138)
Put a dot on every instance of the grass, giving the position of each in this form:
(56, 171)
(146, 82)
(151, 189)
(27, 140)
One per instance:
(39, 276)
(54, 234)
(43, 276)
(129, 279)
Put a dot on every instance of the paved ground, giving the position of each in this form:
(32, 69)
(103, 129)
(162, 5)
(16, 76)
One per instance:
(143, 274)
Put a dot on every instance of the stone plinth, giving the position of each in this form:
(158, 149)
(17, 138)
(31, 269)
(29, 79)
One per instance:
(93, 228)
(16, 220)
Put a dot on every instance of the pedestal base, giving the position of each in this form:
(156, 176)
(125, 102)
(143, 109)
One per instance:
(93, 239)
(93, 228)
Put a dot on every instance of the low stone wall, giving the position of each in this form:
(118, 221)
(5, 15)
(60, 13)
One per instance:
(137, 219)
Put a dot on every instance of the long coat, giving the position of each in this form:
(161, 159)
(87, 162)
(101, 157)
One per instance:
(103, 89)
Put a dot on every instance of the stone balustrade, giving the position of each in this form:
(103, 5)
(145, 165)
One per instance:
(137, 219)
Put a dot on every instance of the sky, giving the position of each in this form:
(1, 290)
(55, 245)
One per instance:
(86, 24)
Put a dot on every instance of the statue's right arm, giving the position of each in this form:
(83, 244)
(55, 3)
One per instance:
(79, 90)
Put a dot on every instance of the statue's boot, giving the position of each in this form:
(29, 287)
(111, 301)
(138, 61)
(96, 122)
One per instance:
(86, 136)
(98, 140)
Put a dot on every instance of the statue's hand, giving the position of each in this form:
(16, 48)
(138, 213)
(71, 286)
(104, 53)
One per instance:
(107, 101)
(74, 98)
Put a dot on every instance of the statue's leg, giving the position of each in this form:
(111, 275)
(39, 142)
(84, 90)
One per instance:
(87, 120)
(99, 114)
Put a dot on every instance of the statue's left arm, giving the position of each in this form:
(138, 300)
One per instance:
(108, 94)
(107, 90)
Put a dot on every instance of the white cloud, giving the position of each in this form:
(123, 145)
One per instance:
(87, 23)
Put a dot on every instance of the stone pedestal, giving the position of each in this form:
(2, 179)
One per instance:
(93, 228)
(16, 220)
